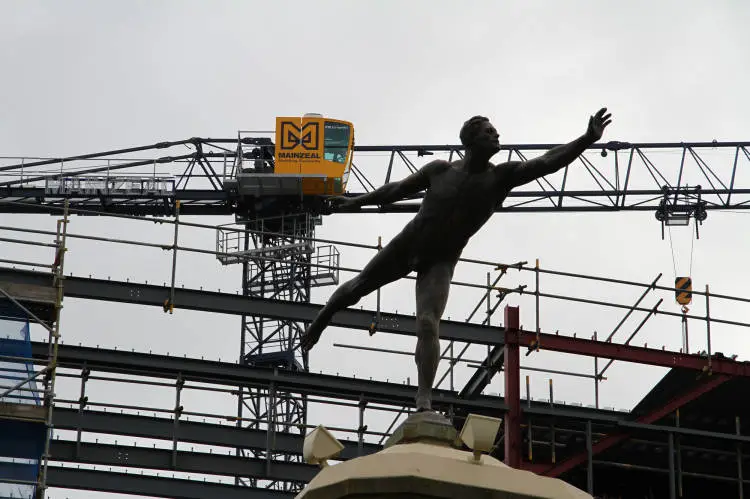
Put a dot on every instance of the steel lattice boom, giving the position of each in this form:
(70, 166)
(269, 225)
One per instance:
(667, 178)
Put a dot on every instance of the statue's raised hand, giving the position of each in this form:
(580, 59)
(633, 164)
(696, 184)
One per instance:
(598, 123)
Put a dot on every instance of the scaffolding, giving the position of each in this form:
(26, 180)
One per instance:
(279, 259)
(545, 436)
(26, 410)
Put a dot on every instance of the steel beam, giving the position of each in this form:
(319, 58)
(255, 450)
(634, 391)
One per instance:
(630, 353)
(648, 418)
(188, 431)
(153, 486)
(224, 373)
(147, 294)
(188, 462)
(209, 301)
(484, 374)
(337, 387)
(613, 194)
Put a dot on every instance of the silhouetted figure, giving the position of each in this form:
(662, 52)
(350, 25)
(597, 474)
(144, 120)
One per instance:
(460, 197)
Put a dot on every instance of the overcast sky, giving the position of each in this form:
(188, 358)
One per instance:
(85, 76)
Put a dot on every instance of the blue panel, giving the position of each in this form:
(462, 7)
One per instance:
(21, 442)
(22, 439)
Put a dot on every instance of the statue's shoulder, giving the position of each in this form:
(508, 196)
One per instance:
(504, 168)
(437, 166)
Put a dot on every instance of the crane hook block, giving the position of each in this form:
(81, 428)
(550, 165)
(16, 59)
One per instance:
(683, 290)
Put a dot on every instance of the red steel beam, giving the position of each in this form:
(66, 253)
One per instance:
(630, 353)
(655, 415)
(512, 389)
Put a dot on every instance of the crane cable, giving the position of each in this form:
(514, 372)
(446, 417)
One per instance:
(674, 260)
(684, 308)
(671, 246)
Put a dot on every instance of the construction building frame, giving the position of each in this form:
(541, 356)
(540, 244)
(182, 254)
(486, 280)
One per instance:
(684, 439)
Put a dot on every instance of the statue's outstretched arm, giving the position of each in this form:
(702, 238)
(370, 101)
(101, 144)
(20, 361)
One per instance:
(522, 172)
(396, 191)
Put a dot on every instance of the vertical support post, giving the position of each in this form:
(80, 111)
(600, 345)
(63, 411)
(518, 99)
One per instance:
(452, 366)
(361, 430)
(82, 400)
(224, 175)
(740, 479)
(590, 460)
(552, 426)
(243, 339)
(678, 450)
(708, 329)
(376, 319)
(488, 313)
(270, 418)
(54, 340)
(685, 338)
(596, 378)
(672, 489)
(512, 389)
(170, 305)
(487, 298)
(536, 271)
(177, 413)
(528, 421)
(528, 391)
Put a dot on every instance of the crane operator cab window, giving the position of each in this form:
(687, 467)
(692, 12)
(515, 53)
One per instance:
(336, 138)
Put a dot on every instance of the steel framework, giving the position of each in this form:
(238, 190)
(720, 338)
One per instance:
(281, 262)
(675, 180)
(23, 303)
(272, 342)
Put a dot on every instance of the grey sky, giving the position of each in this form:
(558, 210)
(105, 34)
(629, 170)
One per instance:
(81, 77)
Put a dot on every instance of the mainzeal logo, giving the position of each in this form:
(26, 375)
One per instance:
(299, 142)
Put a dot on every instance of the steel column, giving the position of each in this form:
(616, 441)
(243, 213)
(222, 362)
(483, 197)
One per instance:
(672, 488)
(512, 389)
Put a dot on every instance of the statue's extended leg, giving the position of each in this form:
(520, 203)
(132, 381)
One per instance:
(432, 295)
(390, 264)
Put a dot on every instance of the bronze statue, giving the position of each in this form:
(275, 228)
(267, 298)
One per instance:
(460, 196)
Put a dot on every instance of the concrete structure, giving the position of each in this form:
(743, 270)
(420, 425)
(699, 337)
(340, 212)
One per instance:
(422, 460)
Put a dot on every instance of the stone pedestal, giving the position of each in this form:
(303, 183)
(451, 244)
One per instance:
(421, 460)
(425, 427)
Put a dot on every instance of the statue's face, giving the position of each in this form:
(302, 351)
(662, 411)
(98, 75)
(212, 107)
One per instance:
(487, 138)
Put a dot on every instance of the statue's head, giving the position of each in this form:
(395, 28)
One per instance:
(477, 133)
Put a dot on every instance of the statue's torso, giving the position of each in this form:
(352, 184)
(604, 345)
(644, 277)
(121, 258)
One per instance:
(455, 206)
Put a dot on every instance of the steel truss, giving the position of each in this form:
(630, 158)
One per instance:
(48, 303)
(565, 420)
(275, 265)
(675, 180)
(554, 426)
(690, 180)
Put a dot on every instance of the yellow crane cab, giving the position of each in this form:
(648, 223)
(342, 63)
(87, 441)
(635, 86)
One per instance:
(318, 150)
(311, 156)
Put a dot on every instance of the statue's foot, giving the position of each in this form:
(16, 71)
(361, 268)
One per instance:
(310, 337)
(423, 403)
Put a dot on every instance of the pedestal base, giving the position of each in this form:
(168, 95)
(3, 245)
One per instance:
(425, 426)
(424, 460)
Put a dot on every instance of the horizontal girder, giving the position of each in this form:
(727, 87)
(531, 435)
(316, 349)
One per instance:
(611, 176)
(147, 294)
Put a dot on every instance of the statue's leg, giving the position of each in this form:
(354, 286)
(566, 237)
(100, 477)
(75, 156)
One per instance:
(432, 295)
(388, 265)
